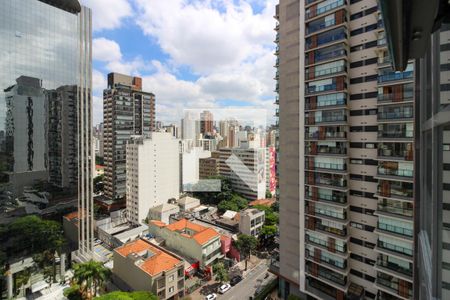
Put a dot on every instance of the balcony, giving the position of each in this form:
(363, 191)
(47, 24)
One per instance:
(395, 151)
(388, 98)
(394, 285)
(313, 210)
(320, 88)
(330, 277)
(406, 232)
(389, 113)
(324, 72)
(392, 170)
(317, 194)
(395, 249)
(330, 246)
(325, 118)
(277, 100)
(314, 165)
(316, 224)
(319, 25)
(327, 133)
(395, 208)
(395, 76)
(314, 148)
(402, 191)
(395, 131)
(326, 101)
(384, 262)
(325, 38)
(336, 263)
(326, 179)
(313, 11)
(324, 54)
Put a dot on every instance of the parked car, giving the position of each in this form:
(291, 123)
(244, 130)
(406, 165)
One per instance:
(224, 288)
(211, 297)
(235, 280)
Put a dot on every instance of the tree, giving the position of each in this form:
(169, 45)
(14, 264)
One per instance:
(216, 197)
(90, 276)
(73, 292)
(220, 272)
(23, 277)
(98, 183)
(271, 217)
(235, 203)
(267, 234)
(139, 295)
(246, 244)
(268, 194)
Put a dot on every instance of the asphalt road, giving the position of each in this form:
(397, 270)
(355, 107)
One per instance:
(247, 287)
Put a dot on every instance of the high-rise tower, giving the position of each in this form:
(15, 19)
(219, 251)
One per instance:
(346, 154)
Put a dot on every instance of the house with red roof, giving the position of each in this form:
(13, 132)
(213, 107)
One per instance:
(198, 242)
(142, 266)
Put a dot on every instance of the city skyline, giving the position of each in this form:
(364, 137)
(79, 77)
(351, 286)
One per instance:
(189, 68)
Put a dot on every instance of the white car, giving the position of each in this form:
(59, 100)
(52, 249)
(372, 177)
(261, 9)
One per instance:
(224, 288)
(211, 297)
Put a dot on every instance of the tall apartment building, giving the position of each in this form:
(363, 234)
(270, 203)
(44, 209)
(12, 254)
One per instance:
(206, 123)
(346, 154)
(127, 111)
(153, 173)
(246, 169)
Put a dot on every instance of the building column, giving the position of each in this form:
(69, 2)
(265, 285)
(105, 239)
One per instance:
(9, 284)
(62, 266)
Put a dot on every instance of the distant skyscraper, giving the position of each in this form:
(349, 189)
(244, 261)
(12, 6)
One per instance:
(206, 123)
(45, 95)
(190, 126)
(127, 111)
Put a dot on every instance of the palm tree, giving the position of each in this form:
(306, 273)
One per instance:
(90, 276)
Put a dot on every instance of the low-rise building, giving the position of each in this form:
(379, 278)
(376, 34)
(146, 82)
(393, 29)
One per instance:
(163, 212)
(251, 221)
(196, 241)
(143, 266)
(187, 203)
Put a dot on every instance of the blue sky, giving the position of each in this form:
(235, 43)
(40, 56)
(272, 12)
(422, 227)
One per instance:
(191, 54)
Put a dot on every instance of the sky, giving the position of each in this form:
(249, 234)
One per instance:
(192, 54)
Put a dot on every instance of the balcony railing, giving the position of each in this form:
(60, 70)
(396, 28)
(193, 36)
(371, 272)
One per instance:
(320, 88)
(389, 152)
(395, 76)
(313, 28)
(324, 72)
(332, 230)
(394, 267)
(402, 134)
(327, 274)
(326, 56)
(394, 98)
(327, 119)
(324, 9)
(405, 113)
(395, 172)
(327, 260)
(323, 243)
(326, 103)
(395, 229)
(396, 192)
(395, 248)
(330, 166)
(342, 199)
(322, 180)
(326, 135)
(402, 211)
(326, 150)
(395, 287)
(326, 212)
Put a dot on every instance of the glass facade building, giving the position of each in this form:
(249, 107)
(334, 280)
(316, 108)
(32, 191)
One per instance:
(46, 109)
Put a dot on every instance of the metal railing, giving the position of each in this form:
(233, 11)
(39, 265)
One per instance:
(395, 229)
(324, 9)
(324, 72)
(395, 76)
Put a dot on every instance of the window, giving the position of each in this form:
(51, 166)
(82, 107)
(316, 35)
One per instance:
(171, 289)
(171, 278)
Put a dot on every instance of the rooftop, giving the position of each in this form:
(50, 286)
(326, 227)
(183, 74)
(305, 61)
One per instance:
(201, 235)
(164, 207)
(264, 202)
(154, 259)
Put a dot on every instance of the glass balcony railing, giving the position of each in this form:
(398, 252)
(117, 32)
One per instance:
(407, 95)
(318, 57)
(310, 13)
(338, 263)
(395, 76)
(327, 119)
(395, 229)
(319, 226)
(335, 197)
(325, 103)
(325, 243)
(394, 267)
(326, 135)
(317, 150)
(311, 28)
(324, 72)
(396, 210)
(321, 272)
(402, 134)
(396, 150)
(326, 212)
(400, 190)
(395, 248)
(331, 180)
(403, 290)
(395, 172)
(330, 166)
(396, 114)
(320, 88)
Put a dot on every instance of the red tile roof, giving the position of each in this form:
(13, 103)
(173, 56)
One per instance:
(160, 261)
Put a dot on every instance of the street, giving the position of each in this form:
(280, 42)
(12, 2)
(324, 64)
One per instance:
(247, 287)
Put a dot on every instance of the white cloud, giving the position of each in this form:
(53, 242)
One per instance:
(106, 50)
(108, 14)
(198, 35)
